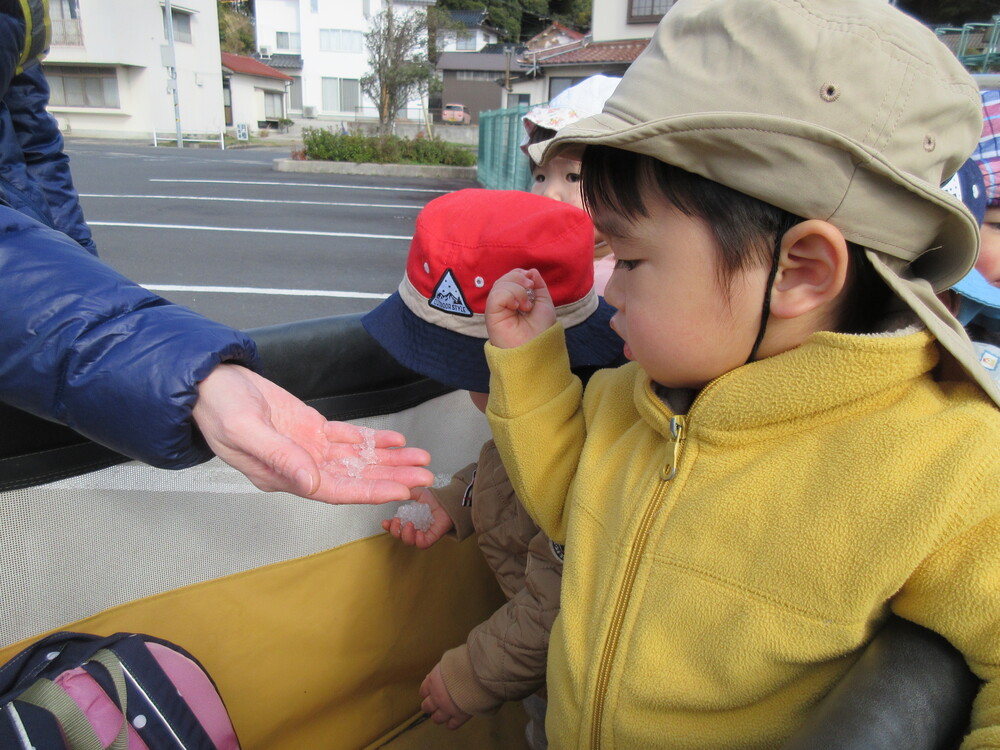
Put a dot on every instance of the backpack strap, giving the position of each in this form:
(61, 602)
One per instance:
(170, 718)
(38, 32)
(80, 735)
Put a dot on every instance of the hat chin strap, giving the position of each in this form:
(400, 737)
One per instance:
(765, 312)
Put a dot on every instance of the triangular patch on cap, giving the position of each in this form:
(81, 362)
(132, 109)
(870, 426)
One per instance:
(954, 186)
(448, 296)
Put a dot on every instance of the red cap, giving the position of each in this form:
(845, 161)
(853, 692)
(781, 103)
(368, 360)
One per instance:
(465, 241)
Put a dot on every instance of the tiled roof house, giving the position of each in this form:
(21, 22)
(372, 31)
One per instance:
(253, 93)
(621, 30)
(476, 79)
(553, 36)
(477, 32)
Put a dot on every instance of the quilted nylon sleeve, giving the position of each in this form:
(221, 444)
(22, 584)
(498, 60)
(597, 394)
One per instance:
(41, 146)
(82, 345)
(504, 658)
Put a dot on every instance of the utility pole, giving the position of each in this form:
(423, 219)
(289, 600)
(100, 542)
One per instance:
(508, 51)
(389, 107)
(170, 61)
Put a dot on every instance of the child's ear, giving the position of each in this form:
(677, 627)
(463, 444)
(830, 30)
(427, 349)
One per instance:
(812, 269)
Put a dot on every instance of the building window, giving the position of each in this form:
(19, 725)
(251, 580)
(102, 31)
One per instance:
(65, 17)
(340, 40)
(465, 41)
(366, 8)
(287, 41)
(182, 25)
(558, 85)
(295, 94)
(63, 9)
(477, 75)
(647, 11)
(314, 6)
(274, 105)
(82, 86)
(341, 95)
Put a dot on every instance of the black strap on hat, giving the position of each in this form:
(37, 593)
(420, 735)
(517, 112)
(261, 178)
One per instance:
(765, 312)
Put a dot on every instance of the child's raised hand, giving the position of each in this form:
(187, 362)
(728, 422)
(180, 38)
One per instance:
(438, 703)
(441, 523)
(518, 309)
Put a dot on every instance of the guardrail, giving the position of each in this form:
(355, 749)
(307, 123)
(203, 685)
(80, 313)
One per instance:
(191, 138)
(501, 164)
(975, 44)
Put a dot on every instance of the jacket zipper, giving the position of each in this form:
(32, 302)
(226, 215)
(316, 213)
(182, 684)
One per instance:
(669, 470)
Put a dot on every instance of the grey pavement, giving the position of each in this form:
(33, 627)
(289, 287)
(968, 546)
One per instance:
(223, 233)
(292, 137)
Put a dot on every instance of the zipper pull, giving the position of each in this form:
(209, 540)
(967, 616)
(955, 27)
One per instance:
(674, 453)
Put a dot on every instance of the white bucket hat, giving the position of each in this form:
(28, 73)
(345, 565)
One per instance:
(581, 100)
(843, 110)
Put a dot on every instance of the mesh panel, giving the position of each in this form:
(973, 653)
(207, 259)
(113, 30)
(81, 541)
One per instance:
(73, 548)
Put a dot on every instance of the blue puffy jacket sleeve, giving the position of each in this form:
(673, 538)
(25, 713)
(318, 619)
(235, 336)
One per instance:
(40, 147)
(82, 345)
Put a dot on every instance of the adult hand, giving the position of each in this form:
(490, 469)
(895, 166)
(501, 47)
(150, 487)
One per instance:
(438, 703)
(518, 308)
(441, 523)
(281, 444)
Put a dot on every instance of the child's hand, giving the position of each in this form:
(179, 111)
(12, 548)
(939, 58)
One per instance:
(438, 703)
(518, 309)
(407, 534)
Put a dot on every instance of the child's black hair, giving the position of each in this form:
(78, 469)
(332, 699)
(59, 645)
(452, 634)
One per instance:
(538, 135)
(618, 183)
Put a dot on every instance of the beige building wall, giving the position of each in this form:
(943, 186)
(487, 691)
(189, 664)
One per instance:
(106, 68)
(609, 20)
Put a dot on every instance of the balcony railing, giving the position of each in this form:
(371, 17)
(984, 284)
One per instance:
(67, 32)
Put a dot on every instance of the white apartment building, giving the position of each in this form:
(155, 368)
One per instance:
(321, 45)
(627, 19)
(108, 74)
(475, 35)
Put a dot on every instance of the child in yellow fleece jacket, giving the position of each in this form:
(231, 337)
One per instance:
(804, 442)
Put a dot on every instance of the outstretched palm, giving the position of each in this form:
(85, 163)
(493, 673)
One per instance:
(281, 444)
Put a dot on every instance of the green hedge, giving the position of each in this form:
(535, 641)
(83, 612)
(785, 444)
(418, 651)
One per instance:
(325, 145)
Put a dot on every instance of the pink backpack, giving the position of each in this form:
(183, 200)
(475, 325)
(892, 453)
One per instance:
(123, 692)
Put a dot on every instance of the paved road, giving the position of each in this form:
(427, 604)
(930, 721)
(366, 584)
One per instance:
(220, 232)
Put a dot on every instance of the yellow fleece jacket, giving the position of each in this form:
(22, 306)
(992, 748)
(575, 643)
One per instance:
(725, 568)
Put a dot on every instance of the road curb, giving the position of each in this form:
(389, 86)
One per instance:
(392, 170)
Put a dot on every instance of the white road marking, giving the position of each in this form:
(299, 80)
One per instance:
(257, 290)
(194, 227)
(251, 200)
(299, 184)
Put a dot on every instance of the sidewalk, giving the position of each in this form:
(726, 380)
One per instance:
(465, 135)
(293, 139)
(367, 169)
(290, 138)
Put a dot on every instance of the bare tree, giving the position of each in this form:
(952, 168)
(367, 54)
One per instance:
(397, 58)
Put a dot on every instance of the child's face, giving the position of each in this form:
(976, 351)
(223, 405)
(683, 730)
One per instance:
(677, 318)
(989, 249)
(559, 180)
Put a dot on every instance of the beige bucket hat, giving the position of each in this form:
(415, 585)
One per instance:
(843, 110)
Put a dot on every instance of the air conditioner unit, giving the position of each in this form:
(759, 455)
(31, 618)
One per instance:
(309, 111)
(265, 51)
